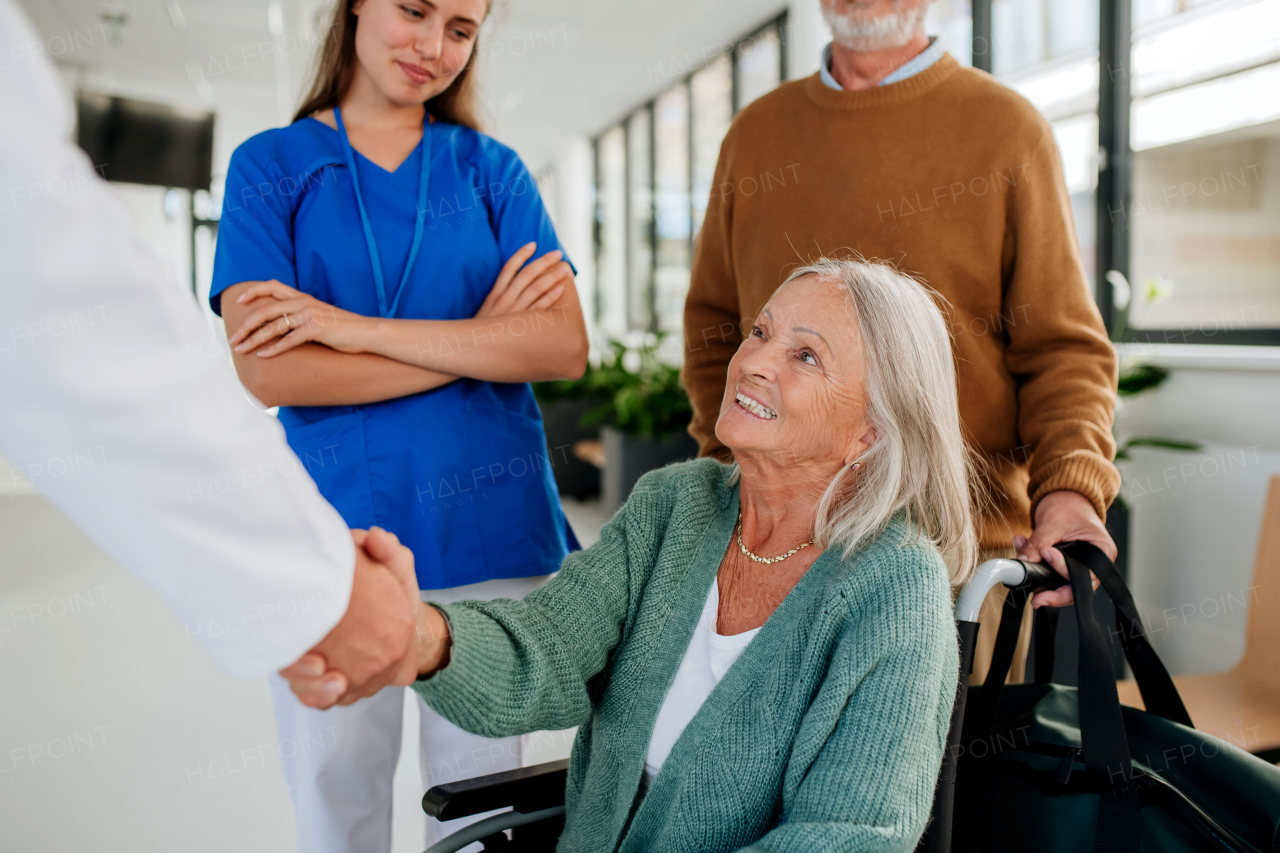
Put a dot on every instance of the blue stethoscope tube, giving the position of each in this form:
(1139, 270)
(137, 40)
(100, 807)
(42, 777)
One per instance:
(385, 310)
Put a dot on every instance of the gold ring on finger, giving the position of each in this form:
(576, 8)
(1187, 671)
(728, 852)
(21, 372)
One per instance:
(287, 322)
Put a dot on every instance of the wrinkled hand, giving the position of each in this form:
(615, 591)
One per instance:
(376, 641)
(282, 318)
(1062, 516)
(536, 287)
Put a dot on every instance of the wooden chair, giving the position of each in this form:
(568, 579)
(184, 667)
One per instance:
(1242, 705)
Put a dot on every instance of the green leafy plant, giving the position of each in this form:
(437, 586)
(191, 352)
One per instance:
(1135, 380)
(639, 393)
(1140, 377)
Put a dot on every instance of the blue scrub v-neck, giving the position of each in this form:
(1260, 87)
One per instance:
(389, 298)
(390, 200)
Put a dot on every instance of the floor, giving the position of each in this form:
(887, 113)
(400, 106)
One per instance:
(118, 734)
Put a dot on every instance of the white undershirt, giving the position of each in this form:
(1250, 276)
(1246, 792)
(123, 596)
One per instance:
(705, 662)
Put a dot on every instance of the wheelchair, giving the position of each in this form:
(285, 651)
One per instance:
(535, 795)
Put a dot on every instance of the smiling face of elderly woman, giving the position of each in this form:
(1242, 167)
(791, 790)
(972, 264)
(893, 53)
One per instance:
(796, 389)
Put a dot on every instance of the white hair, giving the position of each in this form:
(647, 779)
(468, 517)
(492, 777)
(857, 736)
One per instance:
(919, 465)
(859, 29)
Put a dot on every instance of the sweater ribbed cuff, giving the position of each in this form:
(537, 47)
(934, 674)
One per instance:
(1086, 473)
(456, 691)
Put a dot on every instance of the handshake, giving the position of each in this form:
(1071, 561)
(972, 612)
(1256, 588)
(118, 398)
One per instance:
(387, 636)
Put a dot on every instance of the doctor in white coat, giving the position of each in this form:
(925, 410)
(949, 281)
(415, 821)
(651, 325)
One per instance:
(97, 348)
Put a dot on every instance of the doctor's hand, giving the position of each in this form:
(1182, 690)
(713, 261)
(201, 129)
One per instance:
(317, 686)
(536, 287)
(283, 317)
(376, 642)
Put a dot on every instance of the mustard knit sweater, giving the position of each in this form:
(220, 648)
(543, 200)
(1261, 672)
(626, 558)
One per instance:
(826, 735)
(957, 180)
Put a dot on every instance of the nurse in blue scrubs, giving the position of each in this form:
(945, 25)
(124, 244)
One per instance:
(374, 270)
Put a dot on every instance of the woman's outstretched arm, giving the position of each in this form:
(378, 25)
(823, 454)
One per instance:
(505, 667)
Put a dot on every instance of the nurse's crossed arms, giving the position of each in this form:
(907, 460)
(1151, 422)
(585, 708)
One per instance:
(290, 318)
(293, 349)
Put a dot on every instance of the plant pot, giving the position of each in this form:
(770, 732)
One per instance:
(574, 477)
(629, 457)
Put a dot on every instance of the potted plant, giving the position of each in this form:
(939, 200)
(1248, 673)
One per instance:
(1135, 378)
(644, 421)
(564, 403)
(632, 398)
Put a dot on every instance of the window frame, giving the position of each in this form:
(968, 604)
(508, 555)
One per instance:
(654, 321)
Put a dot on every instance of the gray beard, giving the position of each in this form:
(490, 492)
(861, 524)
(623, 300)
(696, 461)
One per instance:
(859, 31)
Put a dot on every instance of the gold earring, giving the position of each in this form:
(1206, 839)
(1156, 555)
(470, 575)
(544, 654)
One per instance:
(856, 465)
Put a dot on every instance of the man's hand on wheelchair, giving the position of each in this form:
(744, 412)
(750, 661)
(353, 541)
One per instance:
(1062, 516)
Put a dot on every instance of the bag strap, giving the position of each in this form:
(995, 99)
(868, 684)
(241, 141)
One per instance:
(1102, 733)
(1046, 633)
(1159, 693)
(984, 709)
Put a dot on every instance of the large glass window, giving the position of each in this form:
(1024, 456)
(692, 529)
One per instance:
(673, 232)
(611, 231)
(1048, 51)
(654, 174)
(1026, 33)
(759, 65)
(1205, 221)
(712, 92)
(953, 21)
(1196, 225)
(640, 220)
(1204, 218)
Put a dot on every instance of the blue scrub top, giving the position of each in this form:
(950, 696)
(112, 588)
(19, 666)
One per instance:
(462, 474)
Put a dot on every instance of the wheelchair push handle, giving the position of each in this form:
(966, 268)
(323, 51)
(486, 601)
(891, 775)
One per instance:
(1011, 573)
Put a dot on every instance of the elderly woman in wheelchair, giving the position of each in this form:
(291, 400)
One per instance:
(761, 655)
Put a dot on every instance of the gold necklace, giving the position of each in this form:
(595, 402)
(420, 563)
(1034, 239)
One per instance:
(744, 550)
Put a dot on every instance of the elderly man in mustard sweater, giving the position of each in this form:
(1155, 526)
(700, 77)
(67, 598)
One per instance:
(759, 657)
(895, 151)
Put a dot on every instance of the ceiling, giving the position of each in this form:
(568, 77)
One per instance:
(550, 68)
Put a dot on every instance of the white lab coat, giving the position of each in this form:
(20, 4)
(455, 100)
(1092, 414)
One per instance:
(111, 384)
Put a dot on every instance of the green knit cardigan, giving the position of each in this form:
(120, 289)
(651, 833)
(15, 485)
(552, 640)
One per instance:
(826, 735)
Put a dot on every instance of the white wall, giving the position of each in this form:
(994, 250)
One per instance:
(1196, 516)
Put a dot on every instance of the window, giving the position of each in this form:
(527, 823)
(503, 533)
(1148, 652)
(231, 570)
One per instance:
(1204, 215)
(758, 65)
(640, 219)
(712, 92)
(654, 171)
(673, 232)
(953, 20)
(1048, 51)
(611, 231)
(1190, 211)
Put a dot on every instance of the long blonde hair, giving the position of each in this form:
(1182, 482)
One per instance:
(919, 465)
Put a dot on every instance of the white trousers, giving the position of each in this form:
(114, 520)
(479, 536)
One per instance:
(340, 775)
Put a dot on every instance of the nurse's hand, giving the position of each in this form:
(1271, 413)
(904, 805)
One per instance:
(534, 287)
(283, 318)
